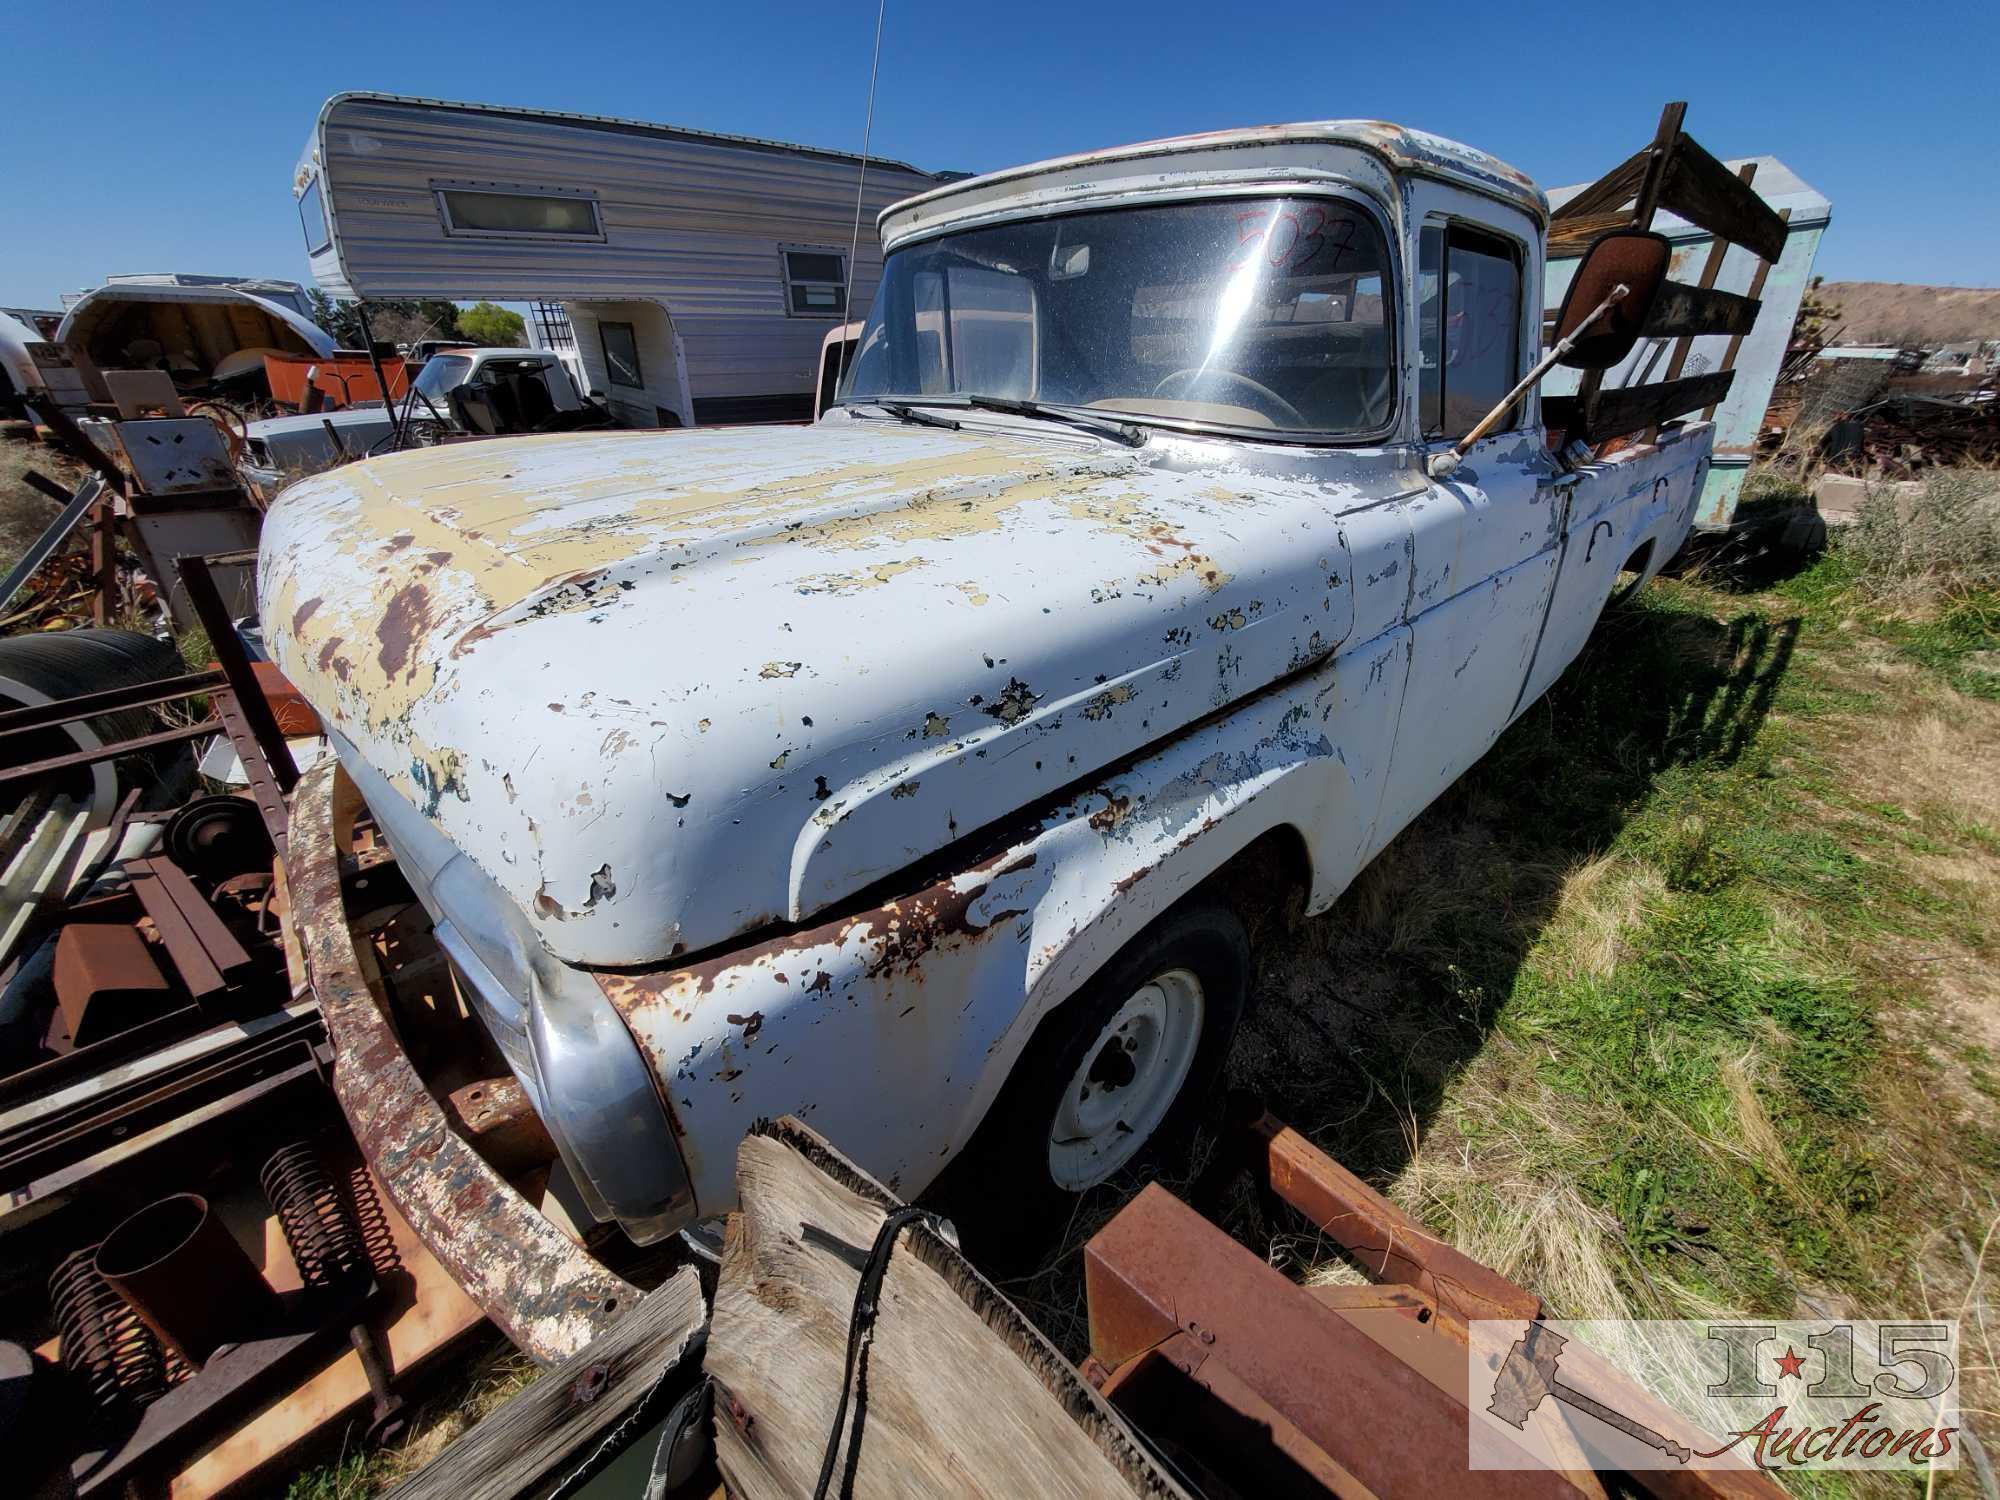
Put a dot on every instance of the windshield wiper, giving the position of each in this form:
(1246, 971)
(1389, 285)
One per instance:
(1119, 432)
(911, 415)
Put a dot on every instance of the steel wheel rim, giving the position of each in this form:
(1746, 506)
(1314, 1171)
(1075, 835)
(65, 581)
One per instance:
(1128, 1080)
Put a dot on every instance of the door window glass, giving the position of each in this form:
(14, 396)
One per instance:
(1469, 286)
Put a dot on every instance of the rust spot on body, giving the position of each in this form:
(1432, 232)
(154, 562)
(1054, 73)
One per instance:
(404, 624)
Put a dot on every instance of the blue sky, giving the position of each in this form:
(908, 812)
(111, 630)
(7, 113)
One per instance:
(162, 137)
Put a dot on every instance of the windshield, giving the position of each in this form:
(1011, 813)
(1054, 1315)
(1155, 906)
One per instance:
(441, 372)
(1262, 314)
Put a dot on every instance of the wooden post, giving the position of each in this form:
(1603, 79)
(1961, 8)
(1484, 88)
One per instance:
(1659, 162)
(1718, 252)
(1755, 293)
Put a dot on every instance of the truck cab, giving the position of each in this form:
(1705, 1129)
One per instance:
(511, 390)
(1185, 523)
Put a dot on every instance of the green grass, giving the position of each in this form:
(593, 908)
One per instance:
(1646, 966)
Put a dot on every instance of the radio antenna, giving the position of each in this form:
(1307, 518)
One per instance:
(854, 240)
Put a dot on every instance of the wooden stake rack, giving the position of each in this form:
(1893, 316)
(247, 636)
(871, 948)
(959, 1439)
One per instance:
(1675, 174)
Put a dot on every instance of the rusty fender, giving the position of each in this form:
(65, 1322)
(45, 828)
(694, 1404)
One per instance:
(543, 1290)
(891, 1030)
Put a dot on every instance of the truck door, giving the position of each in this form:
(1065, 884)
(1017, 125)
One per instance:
(1484, 539)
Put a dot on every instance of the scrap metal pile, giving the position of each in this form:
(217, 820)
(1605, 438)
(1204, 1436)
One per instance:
(1865, 418)
(1900, 436)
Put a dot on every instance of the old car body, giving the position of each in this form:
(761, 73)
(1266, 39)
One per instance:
(809, 770)
(310, 441)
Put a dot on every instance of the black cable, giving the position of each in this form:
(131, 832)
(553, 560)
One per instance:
(860, 1328)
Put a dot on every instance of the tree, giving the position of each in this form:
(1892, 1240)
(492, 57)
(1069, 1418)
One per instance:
(491, 325)
(392, 320)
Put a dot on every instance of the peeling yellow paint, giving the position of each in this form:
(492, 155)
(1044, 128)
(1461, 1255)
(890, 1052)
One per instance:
(1100, 707)
(864, 578)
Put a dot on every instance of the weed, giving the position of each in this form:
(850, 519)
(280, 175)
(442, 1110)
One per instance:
(1942, 540)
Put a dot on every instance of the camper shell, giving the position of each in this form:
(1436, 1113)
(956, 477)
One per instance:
(699, 272)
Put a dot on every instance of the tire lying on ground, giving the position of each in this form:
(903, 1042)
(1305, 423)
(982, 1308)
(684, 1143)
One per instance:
(54, 665)
(1113, 1079)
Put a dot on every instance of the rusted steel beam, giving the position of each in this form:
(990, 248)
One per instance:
(206, 600)
(1159, 1270)
(1389, 1244)
(544, 1291)
(232, 961)
(1217, 1422)
(90, 705)
(76, 758)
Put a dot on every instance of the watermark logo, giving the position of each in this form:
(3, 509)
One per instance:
(1777, 1396)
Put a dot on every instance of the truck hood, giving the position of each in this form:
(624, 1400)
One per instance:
(669, 688)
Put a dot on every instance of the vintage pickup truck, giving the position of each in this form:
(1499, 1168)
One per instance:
(1187, 522)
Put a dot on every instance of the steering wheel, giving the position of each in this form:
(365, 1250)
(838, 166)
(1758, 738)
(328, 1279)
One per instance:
(1272, 401)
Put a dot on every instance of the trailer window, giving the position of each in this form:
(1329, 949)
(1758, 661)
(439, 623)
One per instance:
(815, 283)
(534, 215)
(312, 215)
(1469, 286)
(621, 354)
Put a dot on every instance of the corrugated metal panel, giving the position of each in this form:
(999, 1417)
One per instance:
(692, 221)
(1738, 419)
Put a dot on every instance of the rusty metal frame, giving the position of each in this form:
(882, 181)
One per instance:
(1325, 1398)
(1287, 1390)
(1389, 1244)
(545, 1292)
(244, 711)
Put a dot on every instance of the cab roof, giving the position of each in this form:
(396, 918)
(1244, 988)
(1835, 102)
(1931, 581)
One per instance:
(1400, 148)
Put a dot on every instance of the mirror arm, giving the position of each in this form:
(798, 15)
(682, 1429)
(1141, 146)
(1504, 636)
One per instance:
(1445, 464)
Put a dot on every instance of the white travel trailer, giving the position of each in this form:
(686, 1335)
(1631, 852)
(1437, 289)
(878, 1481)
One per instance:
(699, 272)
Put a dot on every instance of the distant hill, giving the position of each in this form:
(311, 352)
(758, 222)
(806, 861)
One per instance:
(1891, 312)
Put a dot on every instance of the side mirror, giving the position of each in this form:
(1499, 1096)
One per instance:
(1635, 259)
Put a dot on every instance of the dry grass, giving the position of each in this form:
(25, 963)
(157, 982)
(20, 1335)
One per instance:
(1941, 541)
(484, 1385)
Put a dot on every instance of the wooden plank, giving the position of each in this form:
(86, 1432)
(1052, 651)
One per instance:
(1668, 139)
(1569, 238)
(1756, 291)
(960, 1395)
(1689, 310)
(1609, 193)
(1719, 251)
(1617, 412)
(1703, 191)
(548, 1430)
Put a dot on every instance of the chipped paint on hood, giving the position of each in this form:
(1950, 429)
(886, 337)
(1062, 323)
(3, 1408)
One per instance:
(666, 688)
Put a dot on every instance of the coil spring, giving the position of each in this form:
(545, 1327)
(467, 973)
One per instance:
(319, 1224)
(118, 1358)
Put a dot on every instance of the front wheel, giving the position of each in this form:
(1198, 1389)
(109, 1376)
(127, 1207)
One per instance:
(1111, 1078)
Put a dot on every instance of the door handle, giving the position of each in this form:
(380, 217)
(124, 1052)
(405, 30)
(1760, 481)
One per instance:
(1591, 545)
